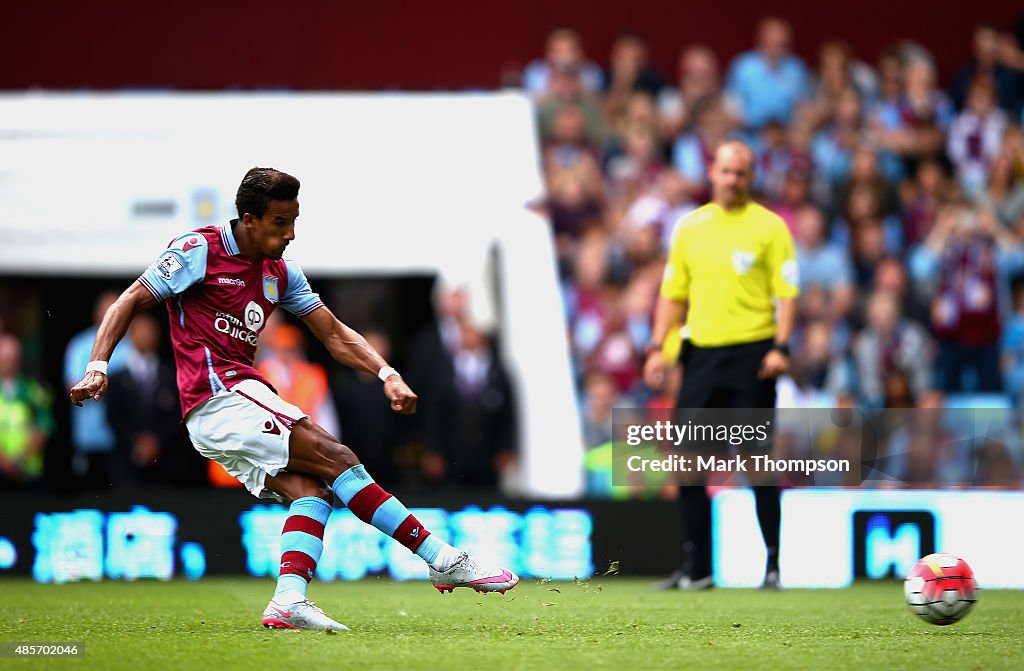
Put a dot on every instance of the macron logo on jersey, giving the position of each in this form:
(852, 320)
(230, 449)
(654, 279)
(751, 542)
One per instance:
(231, 280)
(191, 243)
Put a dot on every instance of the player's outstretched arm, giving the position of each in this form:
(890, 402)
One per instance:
(350, 348)
(134, 300)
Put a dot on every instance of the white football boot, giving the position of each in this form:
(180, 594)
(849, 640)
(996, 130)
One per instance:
(301, 614)
(465, 572)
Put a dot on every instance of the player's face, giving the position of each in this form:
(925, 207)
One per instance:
(731, 175)
(276, 228)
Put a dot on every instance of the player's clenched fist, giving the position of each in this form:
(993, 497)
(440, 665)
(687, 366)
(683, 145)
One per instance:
(93, 386)
(403, 400)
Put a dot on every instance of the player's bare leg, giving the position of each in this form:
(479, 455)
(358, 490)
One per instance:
(302, 541)
(315, 452)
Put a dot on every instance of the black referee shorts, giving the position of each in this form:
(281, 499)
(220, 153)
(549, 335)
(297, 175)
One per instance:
(721, 387)
(725, 377)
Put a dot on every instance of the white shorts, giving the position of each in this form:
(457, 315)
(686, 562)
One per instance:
(245, 430)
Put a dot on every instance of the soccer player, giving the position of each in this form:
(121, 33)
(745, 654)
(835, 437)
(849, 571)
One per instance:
(731, 278)
(220, 284)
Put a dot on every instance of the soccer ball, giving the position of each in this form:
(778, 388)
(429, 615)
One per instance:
(940, 588)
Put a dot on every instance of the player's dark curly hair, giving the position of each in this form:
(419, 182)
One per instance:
(262, 185)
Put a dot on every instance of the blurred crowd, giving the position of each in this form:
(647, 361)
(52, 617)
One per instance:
(904, 195)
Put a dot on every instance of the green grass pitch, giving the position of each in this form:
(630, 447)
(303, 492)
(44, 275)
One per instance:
(602, 623)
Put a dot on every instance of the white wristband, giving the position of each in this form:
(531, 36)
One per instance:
(386, 372)
(96, 367)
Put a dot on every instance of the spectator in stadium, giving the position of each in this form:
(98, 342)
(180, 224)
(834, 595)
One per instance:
(985, 67)
(638, 111)
(774, 160)
(819, 374)
(617, 354)
(1010, 47)
(693, 151)
(639, 165)
(814, 305)
(92, 440)
(575, 204)
(870, 231)
(472, 422)
(738, 337)
(898, 392)
(838, 72)
(1012, 348)
(890, 344)
(585, 302)
(922, 199)
(651, 218)
(143, 411)
(869, 250)
(699, 79)
(890, 78)
(26, 418)
(914, 450)
(1004, 193)
(914, 125)
(834, 143)
(823, 263)
(995, 468)
(972, 258)
(876, 170)
(600, 396)
(768, 82)
(629, 71)
(563, 50)
(567, 88)
(568, 142)
(976, 137)
(890, 277)
(796, 194)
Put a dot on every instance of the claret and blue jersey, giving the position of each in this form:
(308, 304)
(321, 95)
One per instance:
(219, 301)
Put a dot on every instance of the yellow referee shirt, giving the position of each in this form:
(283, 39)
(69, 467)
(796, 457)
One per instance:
(729, 267)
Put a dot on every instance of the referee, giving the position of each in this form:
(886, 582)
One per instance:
(731, 279)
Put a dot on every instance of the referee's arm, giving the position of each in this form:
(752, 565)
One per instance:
(784, 274)
(775, 363)
(668, 314)
(670, 311)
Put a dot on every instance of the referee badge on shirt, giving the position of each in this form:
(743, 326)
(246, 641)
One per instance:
(270, 288)
(790, 272)
(742, 261)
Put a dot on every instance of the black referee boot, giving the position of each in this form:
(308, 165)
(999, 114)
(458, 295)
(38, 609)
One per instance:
(771, 572)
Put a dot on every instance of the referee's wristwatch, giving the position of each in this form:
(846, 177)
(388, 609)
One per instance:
(782, 348)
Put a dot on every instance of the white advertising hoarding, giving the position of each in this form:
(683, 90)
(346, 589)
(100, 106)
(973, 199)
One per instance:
(820, 535)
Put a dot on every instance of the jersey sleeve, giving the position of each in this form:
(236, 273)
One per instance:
(675, 283)
(179, 267)
(298, 297)
(784, 270)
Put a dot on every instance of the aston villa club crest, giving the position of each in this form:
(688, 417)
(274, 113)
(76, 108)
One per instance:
(270, 288)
